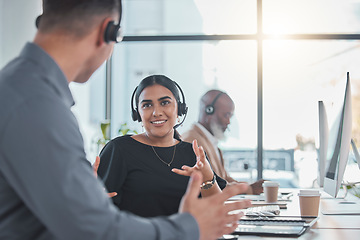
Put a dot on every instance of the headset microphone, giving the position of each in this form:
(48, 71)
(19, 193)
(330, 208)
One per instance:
(210, 109)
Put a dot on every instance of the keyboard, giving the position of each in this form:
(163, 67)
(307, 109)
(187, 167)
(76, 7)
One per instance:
(271, 226)
(263, 211)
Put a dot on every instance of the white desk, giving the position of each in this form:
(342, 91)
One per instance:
(327, 227)
(318, 234)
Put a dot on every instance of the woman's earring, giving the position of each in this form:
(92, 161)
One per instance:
(178, 119)
(142, 127)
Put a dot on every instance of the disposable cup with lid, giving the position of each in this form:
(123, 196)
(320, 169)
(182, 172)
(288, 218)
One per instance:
(270, 184)
(309, 193)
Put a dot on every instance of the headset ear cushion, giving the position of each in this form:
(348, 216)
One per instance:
(135, 115)
(37, 21)
(107, 31)
(185, 108)
(111, 32)
(209, 109)
(182, 109)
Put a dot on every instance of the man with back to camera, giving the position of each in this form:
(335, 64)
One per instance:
(48, 188)
(216, 110)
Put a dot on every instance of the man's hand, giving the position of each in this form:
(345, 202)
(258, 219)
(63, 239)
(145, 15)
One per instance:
(96, 165)
(257, 187)
(211, 213)
(252, 189)
(95, 168)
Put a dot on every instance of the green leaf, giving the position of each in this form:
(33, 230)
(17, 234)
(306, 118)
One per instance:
(124, 129)
(105, 129)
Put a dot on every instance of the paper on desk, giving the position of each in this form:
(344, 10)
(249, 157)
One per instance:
(251, 197)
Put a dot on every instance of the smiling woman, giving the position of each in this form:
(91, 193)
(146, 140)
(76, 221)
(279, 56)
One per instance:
(150, 171)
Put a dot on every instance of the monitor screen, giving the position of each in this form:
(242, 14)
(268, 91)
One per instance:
(339, 144)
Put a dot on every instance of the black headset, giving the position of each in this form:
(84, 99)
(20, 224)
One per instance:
(210, 109)
(182, 108)
(112, 33)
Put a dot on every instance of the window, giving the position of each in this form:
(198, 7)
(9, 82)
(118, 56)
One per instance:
(275, 58)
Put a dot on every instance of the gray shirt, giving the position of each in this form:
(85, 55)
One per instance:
(47, 186)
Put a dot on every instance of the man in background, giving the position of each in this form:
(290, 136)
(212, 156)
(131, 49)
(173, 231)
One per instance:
(48, 188)
(216, 110)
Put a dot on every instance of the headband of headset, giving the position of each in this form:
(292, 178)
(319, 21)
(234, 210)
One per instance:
(210, 109)
(182, 108)
(112, 33)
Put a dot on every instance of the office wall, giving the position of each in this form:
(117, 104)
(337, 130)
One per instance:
(17, 26)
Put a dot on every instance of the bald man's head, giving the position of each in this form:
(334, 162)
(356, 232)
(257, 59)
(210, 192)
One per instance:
(216, 109)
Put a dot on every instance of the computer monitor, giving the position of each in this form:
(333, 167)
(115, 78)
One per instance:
(323, 143)
(338, 145)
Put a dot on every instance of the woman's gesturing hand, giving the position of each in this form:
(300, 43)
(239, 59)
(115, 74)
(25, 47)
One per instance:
(202, 164)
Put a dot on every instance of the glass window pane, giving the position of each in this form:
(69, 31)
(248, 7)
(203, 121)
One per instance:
(298, 74)
(89, 110)
(197, 67)
(311, 16)
(174, 17)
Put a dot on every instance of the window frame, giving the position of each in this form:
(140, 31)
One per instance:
(259, 37)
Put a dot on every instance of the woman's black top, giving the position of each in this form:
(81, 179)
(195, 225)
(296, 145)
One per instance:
(145, 185)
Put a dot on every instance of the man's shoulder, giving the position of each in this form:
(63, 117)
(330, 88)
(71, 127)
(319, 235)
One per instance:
(22, 81)
(194, 132)
(16, 89)
(190, 134)
(20, 74)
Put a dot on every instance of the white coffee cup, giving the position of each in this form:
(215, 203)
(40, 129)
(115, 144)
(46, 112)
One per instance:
(309, 202)
(271, 190)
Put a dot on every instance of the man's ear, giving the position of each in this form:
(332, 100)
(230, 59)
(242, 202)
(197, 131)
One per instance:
(102, 30)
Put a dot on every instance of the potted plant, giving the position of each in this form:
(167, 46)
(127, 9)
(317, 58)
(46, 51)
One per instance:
(105, 133)
(353, 188)
(124, 129)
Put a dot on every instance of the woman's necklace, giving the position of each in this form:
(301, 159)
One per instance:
(172, 159)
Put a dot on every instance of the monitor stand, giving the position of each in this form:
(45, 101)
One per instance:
(347, 205)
